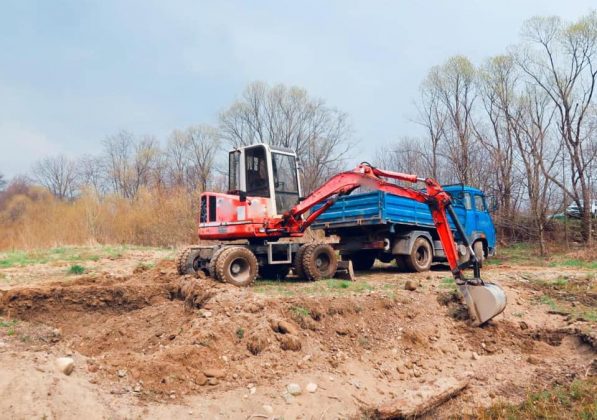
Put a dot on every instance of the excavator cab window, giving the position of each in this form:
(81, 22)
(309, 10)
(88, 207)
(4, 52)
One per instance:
(285, 182)
(257, 176)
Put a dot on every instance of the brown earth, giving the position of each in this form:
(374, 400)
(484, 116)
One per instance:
(150, 343)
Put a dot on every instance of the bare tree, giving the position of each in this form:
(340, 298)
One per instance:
(288, 117)
(2, 182)
(58, 174)
(559, 58)
(452, 86)
(498, 81)
(91, 173)
(433, 117)
(130, 162)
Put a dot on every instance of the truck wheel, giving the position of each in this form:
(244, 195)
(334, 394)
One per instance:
(211, 267)
(236, 265)
(479, 252)
(274, 272)
(187, 261)
(297, 266)
(421, 256)
(361, 261)
(319, 261)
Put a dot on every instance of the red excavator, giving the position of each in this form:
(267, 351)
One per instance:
(250, 229)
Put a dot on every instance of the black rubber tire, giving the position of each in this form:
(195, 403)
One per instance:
(297, 266)
(401, 262)
(211, 267)
(186, 261)
(274, 271)
(479, 252)
(421, 256)
(361, 261)
(319, 262)
(236, 258)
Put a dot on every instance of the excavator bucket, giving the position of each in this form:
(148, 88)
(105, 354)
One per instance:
(484, 300)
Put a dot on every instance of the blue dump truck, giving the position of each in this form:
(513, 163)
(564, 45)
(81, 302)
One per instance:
(383, 226)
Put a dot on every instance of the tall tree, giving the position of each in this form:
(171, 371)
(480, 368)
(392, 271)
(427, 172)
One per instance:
(559, 58)
(2, 182)
(58, 174)
(289, 117)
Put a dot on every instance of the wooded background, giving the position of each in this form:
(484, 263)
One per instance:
(522, 126)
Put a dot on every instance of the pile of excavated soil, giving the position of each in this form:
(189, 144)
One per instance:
(160, 336)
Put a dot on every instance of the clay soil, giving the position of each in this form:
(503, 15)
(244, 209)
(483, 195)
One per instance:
(149, 343)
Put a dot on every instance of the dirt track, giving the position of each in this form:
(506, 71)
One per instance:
(141, 350)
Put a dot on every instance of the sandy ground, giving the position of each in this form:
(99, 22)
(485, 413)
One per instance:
(141, 350)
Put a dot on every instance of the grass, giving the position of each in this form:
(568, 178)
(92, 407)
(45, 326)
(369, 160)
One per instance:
(573, 401)
(75, 269)
(528, 254)
(21, 258)
(10, 326)
(240, 333)
(300, 311)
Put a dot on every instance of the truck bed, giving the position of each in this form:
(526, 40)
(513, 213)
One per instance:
(378, 208)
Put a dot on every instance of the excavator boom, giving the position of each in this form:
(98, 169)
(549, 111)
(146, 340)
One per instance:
(484, 300)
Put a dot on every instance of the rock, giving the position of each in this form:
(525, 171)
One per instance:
(214, 373)
(213, 381)
(475, 356)
(410, 285)
(533, 360)
(121, 373)
(268, 409)
(66, 365)
(523, 325)
(311, 387)
(206, 314)
(294, 389)
(137, 388)
(290, 342)
(92, 368)
(252, 390)
(201, 380)
(286, 327)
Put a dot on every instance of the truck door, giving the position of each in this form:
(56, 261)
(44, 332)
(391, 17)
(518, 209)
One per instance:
(483, 221)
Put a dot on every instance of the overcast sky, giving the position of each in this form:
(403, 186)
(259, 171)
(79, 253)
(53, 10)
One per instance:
(72, 72)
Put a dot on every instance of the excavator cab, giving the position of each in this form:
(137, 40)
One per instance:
(268, 172)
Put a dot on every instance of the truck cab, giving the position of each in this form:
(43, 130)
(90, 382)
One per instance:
(383, 226)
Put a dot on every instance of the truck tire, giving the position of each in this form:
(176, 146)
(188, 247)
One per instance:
(187, 261)
(274, 271)
(319, 261)
(421, 256)
(211, 267)
(297, 266)
(479, 252)
(361, 261)
(236, 265)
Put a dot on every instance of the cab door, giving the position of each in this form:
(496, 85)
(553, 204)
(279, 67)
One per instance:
(483, 222)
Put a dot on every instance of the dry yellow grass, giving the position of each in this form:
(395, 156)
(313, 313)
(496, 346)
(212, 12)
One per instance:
(154, 218)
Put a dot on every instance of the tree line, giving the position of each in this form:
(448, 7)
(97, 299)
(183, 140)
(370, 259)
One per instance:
(521, 126)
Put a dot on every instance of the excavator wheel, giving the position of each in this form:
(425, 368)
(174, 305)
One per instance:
(319, 262)
(236, 265)
(297, 266)
(274, 271)
(211, 267)
(187, 261)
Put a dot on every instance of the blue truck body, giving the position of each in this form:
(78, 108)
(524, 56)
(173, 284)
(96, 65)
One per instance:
(363, 220)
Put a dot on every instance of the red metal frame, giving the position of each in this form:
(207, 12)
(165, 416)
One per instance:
(292, 224)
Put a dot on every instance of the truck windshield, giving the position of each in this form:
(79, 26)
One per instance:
(285, 182)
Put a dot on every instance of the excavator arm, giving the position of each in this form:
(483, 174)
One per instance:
(484, 300)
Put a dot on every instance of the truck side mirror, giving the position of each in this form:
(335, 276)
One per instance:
(242, 196)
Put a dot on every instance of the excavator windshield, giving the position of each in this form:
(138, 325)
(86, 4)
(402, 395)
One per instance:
(285, 181)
